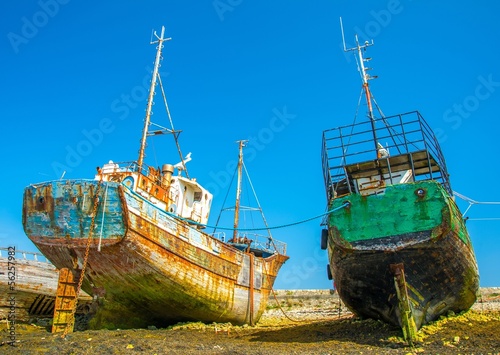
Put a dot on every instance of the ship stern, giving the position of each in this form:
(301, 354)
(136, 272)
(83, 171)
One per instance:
(64, 215)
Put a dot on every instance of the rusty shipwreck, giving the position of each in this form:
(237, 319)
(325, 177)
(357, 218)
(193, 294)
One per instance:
(398, 247)
(135, 234)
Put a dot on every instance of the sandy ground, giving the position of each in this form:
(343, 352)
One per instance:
(307, 322)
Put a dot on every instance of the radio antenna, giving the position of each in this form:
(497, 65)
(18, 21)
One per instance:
(342, 30)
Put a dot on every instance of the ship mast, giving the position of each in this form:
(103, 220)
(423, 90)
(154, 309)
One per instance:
(147, 119)
(365, 77)
(238, 189)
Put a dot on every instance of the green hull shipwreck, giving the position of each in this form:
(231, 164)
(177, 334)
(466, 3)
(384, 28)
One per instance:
(398, 247)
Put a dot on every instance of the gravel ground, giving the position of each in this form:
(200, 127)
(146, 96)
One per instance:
(308, 322)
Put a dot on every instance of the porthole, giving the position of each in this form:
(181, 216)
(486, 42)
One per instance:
(420, 192)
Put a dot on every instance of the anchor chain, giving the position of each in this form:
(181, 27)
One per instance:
(71, 323)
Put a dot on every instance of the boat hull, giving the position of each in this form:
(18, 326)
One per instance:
(429, 241)
(147, 267)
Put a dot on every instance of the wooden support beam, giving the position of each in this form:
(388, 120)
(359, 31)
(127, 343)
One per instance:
(65, 302)
(407, 322)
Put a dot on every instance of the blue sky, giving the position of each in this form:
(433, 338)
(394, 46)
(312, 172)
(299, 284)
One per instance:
(75, 73)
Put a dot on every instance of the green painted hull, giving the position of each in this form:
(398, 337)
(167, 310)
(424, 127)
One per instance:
(414, 224)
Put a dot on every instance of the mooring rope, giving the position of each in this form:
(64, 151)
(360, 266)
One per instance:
(344, 205)
(286, 314)
(473, 202)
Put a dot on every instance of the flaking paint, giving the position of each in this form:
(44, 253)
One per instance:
(152, 268)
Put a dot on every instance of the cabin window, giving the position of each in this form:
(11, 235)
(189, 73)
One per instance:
(197, 196)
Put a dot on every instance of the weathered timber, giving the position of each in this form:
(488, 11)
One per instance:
(35, 287)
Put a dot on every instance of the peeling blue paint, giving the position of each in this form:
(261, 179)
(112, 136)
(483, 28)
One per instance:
(63, 209)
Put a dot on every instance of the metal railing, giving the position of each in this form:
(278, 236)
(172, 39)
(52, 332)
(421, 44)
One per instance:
(24, 255)
(258, 241)
(404, 135)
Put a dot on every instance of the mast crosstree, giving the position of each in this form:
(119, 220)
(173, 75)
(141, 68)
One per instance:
(149, 112)
(365, 77)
